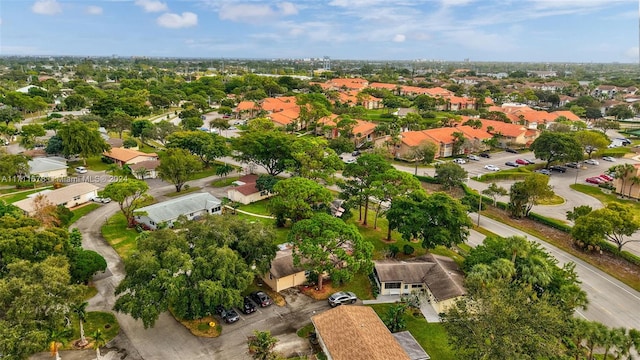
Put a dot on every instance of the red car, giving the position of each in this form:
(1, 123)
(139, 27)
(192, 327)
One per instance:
(594, 180)
(522, 162)
(606, 177)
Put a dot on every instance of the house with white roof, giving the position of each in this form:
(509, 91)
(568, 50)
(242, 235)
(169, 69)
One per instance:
(44, 167)
(167, 212)
(68, 196)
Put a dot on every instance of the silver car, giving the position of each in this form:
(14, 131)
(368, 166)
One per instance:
(342, 297)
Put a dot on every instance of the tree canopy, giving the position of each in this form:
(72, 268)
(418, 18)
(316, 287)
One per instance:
(129, 194)
(192, 271)
(178, 166)
(556, 146)
(298, 198)
(435, 219)
(614, 223)
(326, 244)
(270, 149)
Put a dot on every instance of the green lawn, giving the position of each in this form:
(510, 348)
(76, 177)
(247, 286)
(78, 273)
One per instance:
(104, 321)
(210, 171)
(218, 183)
(82, 211)
(359, 285)
(121, 238)
(258, 207)
(183, 192)
(93, 163)
(431, 336)
(11, 198)
(597, 193)
(375, 115)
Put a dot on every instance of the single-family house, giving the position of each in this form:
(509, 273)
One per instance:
(246, 191)
(44, 167)
(438, 276)
(122, 156)
(145, 169)
(167, 212)
(69, 196)
(356, 333)
(283, 274)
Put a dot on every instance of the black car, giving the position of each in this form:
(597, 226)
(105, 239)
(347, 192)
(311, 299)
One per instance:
(558, 168)
(509, 150)
(573, 165)
(228, 315)
(511, 163)
(485, 155)
(248, 307)
(260, 298)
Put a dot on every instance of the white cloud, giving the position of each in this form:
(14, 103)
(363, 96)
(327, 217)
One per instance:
(287, 8)
(46, 7)
(255, 12)
(456, 2)
(93, 10)
(399, 38)
(152, 5)
(177, 21)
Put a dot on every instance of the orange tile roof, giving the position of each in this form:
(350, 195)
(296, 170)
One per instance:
(279, 103)
(329, 120)
(383, 86)
(506, 129)
(415, 138)
(566, 113)
(363, 127)
(124, 155)
(285, 117)
(349, 83)
(357, 333)
(247, 105)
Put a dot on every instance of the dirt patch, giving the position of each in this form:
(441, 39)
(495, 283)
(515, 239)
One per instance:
(206, 327)
(312, 292)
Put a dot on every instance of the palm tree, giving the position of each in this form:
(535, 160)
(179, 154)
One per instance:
(622, 172)
(261, 345)
(80, 308)
(98, 341)
(140, 173)
(634, 180)
(57, 337)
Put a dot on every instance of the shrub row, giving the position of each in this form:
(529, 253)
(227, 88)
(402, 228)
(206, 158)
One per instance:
(554, 223)
(427, 179)
(612, 248)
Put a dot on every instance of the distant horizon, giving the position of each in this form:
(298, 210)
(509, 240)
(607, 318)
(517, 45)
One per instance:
(524, 31)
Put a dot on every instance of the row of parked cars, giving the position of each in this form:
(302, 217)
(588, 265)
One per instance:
(249, 305)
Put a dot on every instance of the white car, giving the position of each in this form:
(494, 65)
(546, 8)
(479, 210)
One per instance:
(459, 161)
(473, 157)
(492, 168)
(591, 162)
(81, 170)
(608, 158)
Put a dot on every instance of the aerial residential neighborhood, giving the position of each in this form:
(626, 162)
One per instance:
(269, 185)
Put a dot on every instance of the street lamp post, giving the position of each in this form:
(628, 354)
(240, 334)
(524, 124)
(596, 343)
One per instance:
(479, 207)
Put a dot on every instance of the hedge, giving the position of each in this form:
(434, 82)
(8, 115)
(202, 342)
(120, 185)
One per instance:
(612, 248)
(427, 179)
(554, 223)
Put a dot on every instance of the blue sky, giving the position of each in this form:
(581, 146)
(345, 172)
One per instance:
(481, 30)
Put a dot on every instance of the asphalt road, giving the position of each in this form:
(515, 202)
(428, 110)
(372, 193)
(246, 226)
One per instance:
(610, 301)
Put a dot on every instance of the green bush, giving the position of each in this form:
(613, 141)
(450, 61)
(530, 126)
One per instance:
(612, 248)
(129, 143)
(554, 223)
(427, 179)
(375, 290)
(393, 250)
(408, 249)
(615, 152)
(25, 185)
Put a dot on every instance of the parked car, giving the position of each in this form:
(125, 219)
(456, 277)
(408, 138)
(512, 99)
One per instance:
(81, 170)
(473, 157)
(459, 161)
(511, 163)
(228, 315)
(606, 177)
(350, 161)
(355, 153)
(260, 298)
(558, 168)
(522, 162)
(342, 297)
(608, 158)
(530, 162)
(594, 180)
(248, 307)
(510, 150)
(544, 171)
(591, 162)
(485, 155)
(104, 200)
(573, 165)
(492, 168)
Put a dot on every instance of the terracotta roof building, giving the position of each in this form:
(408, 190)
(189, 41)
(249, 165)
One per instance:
(356, 333)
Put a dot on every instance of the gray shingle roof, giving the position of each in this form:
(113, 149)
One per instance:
(183, 205)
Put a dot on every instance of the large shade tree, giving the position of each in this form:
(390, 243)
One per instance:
(556, 146)
(614, 223)
(436, 219)
(82, 139)
(178, 166)
(190, 272)
(297, 198)
(270, 149)
(326, 244)
(129, 194)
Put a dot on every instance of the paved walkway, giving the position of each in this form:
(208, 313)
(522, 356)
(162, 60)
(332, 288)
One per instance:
(429, 313)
